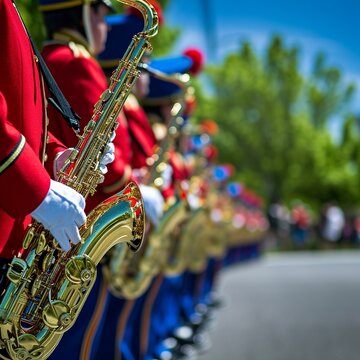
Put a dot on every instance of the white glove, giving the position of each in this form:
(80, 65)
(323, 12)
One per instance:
(166, 175)
(153, 202)
(62, 212)
(194, 201)
(108, 157)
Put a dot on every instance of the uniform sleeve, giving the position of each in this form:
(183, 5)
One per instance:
(24, 182)
(82, 82)
(83, 91)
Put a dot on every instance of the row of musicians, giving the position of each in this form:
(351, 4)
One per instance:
(109, 326)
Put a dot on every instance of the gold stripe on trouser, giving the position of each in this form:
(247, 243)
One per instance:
(14, 154)
(94, 323)
(146, 314)
(121, 326)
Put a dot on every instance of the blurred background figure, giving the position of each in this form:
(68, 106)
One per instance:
(333, 223)
(300, 224)
(279, 222)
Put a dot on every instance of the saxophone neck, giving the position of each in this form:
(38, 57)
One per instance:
(151, 19)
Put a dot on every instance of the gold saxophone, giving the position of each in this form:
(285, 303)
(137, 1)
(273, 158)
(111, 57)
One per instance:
(185, 246)
(212, 236)
(49, 287)
(188, 248)
(200, 237)
(129, 274)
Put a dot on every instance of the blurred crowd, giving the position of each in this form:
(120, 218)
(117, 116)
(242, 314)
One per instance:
(298, 227)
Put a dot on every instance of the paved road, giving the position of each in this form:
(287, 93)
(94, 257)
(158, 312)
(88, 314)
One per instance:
(302, 306)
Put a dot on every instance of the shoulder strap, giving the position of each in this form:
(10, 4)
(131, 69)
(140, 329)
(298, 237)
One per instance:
(57, 98)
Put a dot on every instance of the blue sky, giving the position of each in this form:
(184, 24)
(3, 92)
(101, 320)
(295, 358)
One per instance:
(332, 27)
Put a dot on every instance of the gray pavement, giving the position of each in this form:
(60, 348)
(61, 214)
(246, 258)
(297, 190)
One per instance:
(296, 306)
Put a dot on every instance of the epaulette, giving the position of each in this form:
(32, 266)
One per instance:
(79, 50)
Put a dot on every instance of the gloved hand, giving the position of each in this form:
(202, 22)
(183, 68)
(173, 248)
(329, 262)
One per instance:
(139, 175)
(62, 212)
(166, 175)
(153, 202)
(194, 201)
(108, 157)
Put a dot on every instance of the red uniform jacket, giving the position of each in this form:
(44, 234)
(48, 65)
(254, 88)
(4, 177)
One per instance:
(180, 173)
(24, 181)
(82, 81)
(141, 134)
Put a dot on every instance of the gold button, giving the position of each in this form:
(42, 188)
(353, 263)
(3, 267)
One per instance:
(45, 157)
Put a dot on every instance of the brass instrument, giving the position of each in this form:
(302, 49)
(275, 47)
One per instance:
(186, 247)
(189, 249)
(49, 287)
(201, 237)
(130, 274)
(247, 233)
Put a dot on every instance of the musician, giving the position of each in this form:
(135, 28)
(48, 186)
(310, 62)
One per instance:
(28, 150)
(162, 95)
(123, 317)
(141, 137)
(76, 33)
(158, 104)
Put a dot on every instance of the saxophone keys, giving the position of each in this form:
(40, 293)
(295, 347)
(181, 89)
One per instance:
(106, 95)
(35, 287)
(27, 347)
(158, 182)
(80, 270)
(41, 243)
(45, 261)
(161, 167)
(16, 270)
(28, 237)
(56, 315)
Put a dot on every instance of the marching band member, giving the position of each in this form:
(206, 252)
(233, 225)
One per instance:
(165, 314)
(141, 137)
(27, 150)
(76, 33)
(124, 315)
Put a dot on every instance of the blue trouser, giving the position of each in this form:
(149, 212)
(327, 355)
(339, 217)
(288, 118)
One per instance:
(165, 315)
(81, 342)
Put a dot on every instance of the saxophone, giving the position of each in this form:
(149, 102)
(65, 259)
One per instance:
(188, 247)
(129, 274)
(212, 234)
(49, 287)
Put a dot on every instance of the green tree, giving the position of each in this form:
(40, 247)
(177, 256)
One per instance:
(32, 17)
(267, 126)
(326, 95)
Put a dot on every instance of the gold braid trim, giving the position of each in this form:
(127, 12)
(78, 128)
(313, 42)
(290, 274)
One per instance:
(15, 153)
(64, 5)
